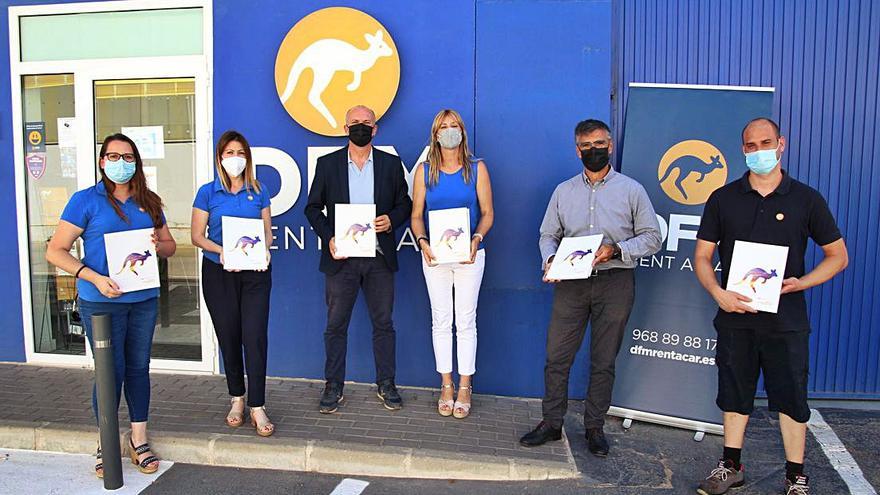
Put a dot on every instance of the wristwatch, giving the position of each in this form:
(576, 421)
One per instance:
(616, 254)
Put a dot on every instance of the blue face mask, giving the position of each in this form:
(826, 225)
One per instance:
(762, 162)
(119, 171)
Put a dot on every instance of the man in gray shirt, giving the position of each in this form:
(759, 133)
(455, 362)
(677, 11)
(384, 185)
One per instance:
(596, 201)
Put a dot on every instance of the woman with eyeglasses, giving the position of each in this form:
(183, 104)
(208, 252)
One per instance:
(238, 301)
(119, 202)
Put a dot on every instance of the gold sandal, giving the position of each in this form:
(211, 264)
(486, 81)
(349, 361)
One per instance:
(462, 409)
(235, 419)
(266, 429)
(445, 407)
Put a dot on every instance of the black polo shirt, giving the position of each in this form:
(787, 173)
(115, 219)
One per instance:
(788, 216)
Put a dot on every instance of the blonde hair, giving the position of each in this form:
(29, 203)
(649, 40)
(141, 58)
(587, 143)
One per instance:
(250, 176)
(435, 158)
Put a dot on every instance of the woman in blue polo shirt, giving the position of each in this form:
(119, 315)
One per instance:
(238, 301)
(120, 201)
(452, 178)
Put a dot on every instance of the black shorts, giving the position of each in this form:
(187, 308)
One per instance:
(783, 357)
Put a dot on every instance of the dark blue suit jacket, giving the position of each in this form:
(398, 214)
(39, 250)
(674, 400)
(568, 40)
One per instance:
(330, 187)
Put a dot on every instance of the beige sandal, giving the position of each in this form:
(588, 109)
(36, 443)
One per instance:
(445, 407)
(265, 429)
(462, 409)
(235, 419)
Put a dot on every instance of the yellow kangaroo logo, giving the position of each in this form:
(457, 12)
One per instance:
(690, 171)
(324, 67)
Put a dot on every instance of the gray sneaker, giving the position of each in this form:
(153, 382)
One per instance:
(721, 479)
(799, 487)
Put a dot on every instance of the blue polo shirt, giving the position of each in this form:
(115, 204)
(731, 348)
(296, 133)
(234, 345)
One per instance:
(90, 210)
(219, 203)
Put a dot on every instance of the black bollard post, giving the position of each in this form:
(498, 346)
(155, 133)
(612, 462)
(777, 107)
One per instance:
(108, 421)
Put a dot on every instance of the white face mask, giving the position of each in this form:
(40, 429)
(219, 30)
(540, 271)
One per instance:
(234, 165)
(449, 138)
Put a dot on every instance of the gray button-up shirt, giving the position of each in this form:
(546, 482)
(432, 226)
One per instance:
(617, 207)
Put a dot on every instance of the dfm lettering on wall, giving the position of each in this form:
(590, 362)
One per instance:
(291, 190)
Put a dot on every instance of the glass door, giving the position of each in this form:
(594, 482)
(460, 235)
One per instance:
(66, 97)
(164, 113)
(65, 118)
(159, 115)
(51, 177)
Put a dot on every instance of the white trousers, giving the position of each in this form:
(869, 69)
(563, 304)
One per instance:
(465, 280)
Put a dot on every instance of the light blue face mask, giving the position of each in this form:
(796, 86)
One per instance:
(762, 162)
(119, 171)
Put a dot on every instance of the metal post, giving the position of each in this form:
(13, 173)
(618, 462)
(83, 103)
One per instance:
(108, 421)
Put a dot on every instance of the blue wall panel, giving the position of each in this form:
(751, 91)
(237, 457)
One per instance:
(11, 339)
(822, 58)
(539, 72)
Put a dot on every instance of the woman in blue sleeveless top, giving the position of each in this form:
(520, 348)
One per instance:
(452, 178)
(119, 202)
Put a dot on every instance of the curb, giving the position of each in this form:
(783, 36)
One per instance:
(290, 454)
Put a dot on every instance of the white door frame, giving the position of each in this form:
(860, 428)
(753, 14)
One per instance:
(85, 72)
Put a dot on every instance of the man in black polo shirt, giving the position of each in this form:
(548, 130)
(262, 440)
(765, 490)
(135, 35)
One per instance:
(765, 206)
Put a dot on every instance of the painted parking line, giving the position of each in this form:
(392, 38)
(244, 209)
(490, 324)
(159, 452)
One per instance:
(54, 473)
(350, 486)
(840, 458)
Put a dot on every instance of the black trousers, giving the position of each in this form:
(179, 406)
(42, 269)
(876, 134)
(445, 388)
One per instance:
(605, 301)
(239, 306)
(377, 281)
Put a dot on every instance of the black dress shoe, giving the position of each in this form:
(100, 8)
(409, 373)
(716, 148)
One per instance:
(542, 434)
(331, 398)
(389, 396)
(596, 442)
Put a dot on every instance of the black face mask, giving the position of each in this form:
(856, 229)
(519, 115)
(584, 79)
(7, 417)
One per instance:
(595, 159)
(360, 134)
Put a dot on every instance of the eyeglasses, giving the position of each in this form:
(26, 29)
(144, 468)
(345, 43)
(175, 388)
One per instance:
(585, 145)
(128, 157)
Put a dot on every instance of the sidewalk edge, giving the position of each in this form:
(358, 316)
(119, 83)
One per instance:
(330, 457)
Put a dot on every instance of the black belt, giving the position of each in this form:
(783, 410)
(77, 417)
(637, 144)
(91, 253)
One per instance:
(609, 271)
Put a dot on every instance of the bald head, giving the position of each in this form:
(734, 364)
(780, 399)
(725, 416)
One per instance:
(762, 123)
(360, 114)
(762, 134)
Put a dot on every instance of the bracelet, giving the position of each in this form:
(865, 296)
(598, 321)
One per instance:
(477, 234)
(81, 268)
(419, 240)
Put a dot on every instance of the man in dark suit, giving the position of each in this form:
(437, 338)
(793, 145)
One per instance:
(359, 174)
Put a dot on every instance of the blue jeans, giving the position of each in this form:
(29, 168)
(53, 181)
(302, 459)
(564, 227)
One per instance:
(131, 335)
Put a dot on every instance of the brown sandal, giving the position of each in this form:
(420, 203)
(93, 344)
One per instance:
(99, 466)
(144, 465)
